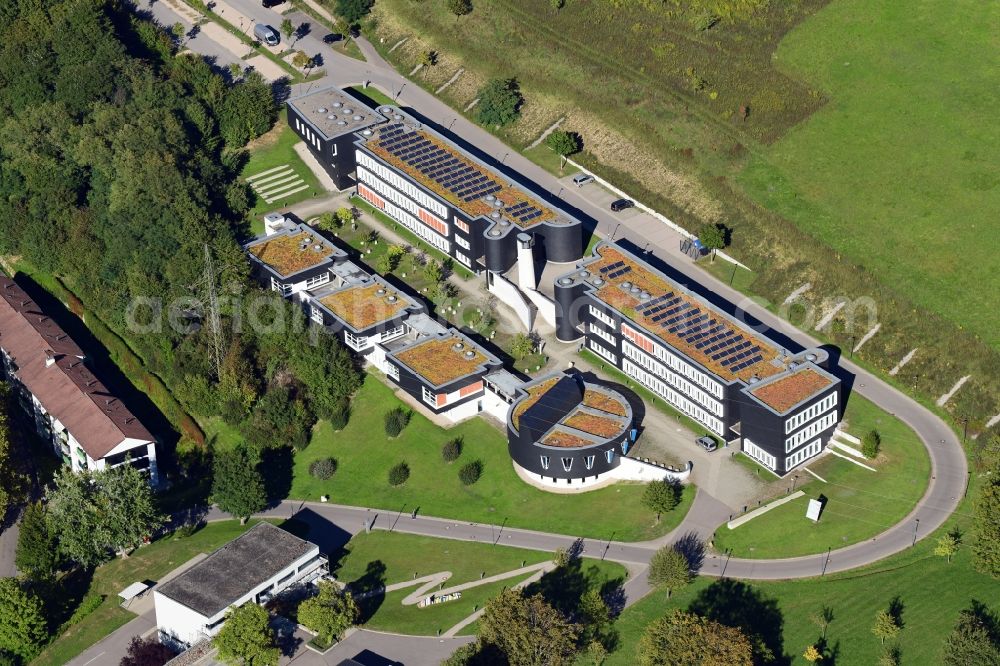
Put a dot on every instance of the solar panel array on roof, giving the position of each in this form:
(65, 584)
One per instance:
(620, 272)
(611, 267)
(437, 164)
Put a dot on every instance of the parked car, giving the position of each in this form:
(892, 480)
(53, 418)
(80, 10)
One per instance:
(266, 34)
(582, 179)
(707, 443)
(621, 204)
(267, 4)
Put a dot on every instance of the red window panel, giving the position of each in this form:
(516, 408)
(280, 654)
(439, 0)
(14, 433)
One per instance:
(462, 225)
(370, 196)
(641, 341)
(434, 223)
(470, 389)
(442, 399)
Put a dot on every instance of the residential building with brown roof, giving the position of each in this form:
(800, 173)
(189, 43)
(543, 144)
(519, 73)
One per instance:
(87, 425)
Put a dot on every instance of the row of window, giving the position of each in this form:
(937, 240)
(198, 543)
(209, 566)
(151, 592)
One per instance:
(811, 430)
(462, 242)
(464, 259)
(318, 280)
(673, 397)
(429, 396)
(675, 380)
(283, 289)
(461, 225)
(411, 223)
(602, 334)
(307, 134)
(356, 342)
(759, 454)
(597, 314)
(402, 185)
(402, 200)
(812, 412)
(674, 362)
(588, 462)
(602, 352)
(803, 453)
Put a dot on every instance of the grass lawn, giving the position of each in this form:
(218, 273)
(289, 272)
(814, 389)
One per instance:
(548, 159)
(899, 170)
(275, 149)
(403, 555)
(148, 563)
(364, 455)
(372, 95)
(931, 591)
(861, 503)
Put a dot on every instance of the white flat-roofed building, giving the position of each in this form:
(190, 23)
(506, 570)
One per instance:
(251, 568)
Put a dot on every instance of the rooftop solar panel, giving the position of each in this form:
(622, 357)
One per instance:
(620, 272)
(658, 317)
(611, 267)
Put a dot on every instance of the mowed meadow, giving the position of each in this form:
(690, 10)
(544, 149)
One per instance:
(901, 170)
(872, 181)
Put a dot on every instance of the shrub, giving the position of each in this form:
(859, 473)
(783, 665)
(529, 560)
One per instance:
(499, 102)
(323, 468)
(470, 472)
(870, 443)
(339, 414)
(460, 7)
(398, 474)
(89, 604)
(451, 450)
(395, 420)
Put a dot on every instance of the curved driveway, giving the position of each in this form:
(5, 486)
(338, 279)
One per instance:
(948, 462)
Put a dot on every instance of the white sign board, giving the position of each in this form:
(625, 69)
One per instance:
(812, 513)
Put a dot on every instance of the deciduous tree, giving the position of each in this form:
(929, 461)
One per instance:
(812, 654)
(974, 640)
(947, 546)
(680, 639)
(37, 553)
(247, 637)
(563, 144)
(870, 443)
(669, 570)
(886, 626)
(127, 507)
(146, 653)
(521, 346)
(22, 620)
(353, 11)
(330, 613)
(460, 7)
(13, 482)
(662, 496)
(986, 544)
(237, 485)
(499, 102)
(527, 630)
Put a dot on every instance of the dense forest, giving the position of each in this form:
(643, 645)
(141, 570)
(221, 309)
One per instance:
(119, 163)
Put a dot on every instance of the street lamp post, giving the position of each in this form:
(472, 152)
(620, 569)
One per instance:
(613, 233)
(916, 524)
(965, 429)
(852, 347)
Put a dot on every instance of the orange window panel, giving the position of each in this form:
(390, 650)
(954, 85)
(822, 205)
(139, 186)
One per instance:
(470, 389)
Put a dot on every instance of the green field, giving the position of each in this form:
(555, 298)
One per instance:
(404, 556)
(148, 563)
(899, 171)
(364, 455)
(861, 503)
(275, 149)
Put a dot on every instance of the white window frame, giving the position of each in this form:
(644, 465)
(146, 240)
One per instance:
(602, 317)
(676, 399)
(810, 412)
(823, 423)
(392, 371)
(429, 397)
(567, 463)
(759, 454)
(609, 455)
(545, 462)
(462, 242)
(602, 352)
(687, 388)
(589, 462)
(318, 280)
(803, 454)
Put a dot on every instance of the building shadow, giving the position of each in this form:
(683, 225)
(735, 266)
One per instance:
(369, 658)
(369, 590)
(309, 525)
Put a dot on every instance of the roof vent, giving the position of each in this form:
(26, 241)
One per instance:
(626, 285)
(331, 117)
(321, 109)
(598, 282)
(494, 232)
(495, 215)
(318, 248)
(348, 111)
(384, 109)
(565, 281)
(644, 296)
(397, 116)
(367, 132)
(380, 292)
(793, 365)
(458, 346)
(356, 117)
(634, 290)
(470, 354)
(337, 105)
(810, 357)
(504, 223)
(754, 379)
(341, 122)
(497, 203)
(585, 274)
(391, 299)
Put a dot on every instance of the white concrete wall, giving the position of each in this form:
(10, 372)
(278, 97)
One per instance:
(630, 469)
(464, 411)
(546, 306)
(495, 406)
(512, 297)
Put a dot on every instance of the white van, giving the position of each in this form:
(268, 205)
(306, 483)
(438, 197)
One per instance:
(266, 34)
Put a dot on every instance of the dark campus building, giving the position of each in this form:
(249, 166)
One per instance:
(440, 192)
(780, 407)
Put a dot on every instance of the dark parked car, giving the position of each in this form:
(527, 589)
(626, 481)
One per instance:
(621, 204)
(707, 443)
(267, 4)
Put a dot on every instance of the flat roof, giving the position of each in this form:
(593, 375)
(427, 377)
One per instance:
(457, 176)
(445, 359)
(235, 569)
(592, 414)
(294, 249)
(362, 306)
(665, 309)
(334, 113)
(784, 392)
